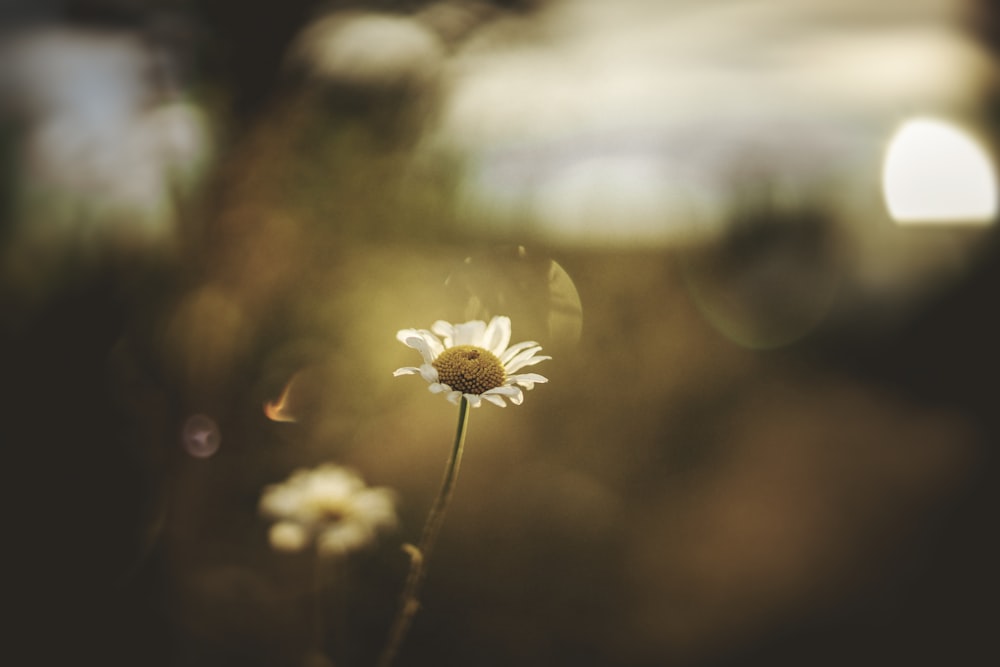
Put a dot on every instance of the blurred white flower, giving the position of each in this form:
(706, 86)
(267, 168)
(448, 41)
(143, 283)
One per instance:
(369, 48)
(330, 506)
(473, 360)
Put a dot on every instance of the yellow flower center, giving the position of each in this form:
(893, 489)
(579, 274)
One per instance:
(470, 369)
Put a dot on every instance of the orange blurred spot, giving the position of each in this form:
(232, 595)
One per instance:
(279, 410)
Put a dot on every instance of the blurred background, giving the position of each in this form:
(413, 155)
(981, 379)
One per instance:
(757, 237)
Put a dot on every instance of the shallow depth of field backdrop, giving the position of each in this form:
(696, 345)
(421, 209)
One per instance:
(757, 238)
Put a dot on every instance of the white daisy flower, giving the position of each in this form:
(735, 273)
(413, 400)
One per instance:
(473, 360)
(329, 506)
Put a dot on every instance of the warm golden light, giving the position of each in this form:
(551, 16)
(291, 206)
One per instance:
(279, 410)
(934, 172)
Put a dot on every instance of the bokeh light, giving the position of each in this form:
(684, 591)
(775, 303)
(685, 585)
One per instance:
(770, 281)
(201, 436)
(935, 172)
(111, 149)
(532, 289)
(603, 125)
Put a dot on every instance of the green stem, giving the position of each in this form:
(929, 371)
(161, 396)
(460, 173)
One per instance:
(420, 554)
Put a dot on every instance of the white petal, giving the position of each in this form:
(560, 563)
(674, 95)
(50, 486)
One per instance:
(420, 344)
(447, 332)
(375, 506)
(344, 537)
(281, 500)
(433, 344)
(495, 399)
(473, 399)
(530, 362)
(497, 335)
(517, 398)
(506, 390)
(527, 380)
(470, 333)
(526, 358)
(288, 536)
(454, 396)
(429, 373)
(527, 377)
(406, 370)
(403, 334)
(437, 388)
(514, 349)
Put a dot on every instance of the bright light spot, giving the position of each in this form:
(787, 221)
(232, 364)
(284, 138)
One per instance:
(935, 172)
(201, 437)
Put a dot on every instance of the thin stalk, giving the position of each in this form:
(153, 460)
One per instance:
(316, 657)
(319, 634)
(420, 555)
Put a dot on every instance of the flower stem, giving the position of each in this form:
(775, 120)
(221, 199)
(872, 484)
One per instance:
(316, 656)
(319, 636)
(420, 555)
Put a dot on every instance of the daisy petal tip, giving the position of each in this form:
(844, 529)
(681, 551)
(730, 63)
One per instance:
(403, 334)
(495, 399)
